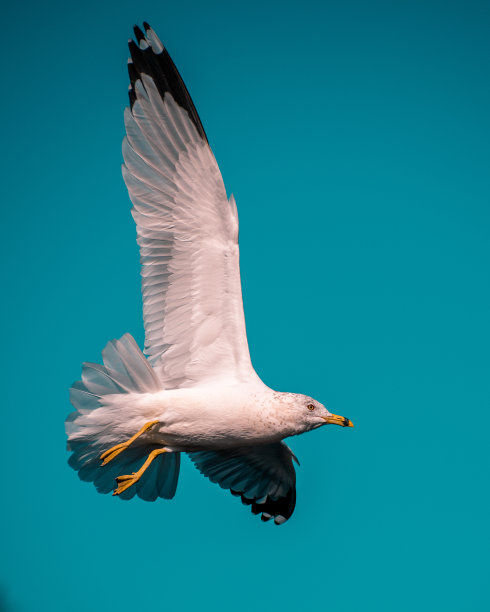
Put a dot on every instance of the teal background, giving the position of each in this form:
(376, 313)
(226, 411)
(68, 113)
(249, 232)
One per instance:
(355, 137)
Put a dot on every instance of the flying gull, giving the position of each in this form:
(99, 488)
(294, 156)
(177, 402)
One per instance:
(197, 392)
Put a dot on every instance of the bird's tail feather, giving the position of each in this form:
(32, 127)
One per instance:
(94, 426)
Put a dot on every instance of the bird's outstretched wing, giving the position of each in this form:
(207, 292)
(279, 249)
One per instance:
(263, 476)
(187, 229)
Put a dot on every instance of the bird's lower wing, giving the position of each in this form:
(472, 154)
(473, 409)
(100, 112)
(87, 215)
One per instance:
(263, 476)
(187, 229)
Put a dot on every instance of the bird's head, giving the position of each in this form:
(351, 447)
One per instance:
(311, 414)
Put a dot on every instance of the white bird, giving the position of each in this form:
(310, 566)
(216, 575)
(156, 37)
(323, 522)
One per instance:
(197, 392)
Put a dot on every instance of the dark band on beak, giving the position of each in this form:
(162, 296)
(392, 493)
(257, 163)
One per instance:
(335, 419)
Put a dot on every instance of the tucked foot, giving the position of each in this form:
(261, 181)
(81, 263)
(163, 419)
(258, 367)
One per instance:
(124, 482)
(114, 451)
(128, 480)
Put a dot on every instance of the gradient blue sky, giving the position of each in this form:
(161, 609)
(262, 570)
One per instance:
(355, 137)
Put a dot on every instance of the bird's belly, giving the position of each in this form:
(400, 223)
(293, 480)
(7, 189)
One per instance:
(213, 431)
(183, 437)
(191, 420)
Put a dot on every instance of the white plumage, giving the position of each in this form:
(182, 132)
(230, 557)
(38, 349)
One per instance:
(188, 238)
(198, 391)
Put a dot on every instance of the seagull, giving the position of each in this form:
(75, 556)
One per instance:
(196, 392)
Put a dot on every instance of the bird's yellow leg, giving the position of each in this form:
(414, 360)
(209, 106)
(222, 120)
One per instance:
(114, 451)
(128, 480)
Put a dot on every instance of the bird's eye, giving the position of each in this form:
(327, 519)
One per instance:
(311, 407)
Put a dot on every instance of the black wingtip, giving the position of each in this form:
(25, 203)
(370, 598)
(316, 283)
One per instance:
(280, 509)
(148, 58)
(147, 26)
(138, 33)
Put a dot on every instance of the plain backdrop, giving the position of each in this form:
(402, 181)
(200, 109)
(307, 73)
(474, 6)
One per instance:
(355, 137)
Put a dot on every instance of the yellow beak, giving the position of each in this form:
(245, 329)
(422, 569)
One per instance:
(335, 419)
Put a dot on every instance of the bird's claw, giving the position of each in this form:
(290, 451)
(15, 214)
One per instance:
(125, 477)
(128, 480)
(113, 452)
(124, 482)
